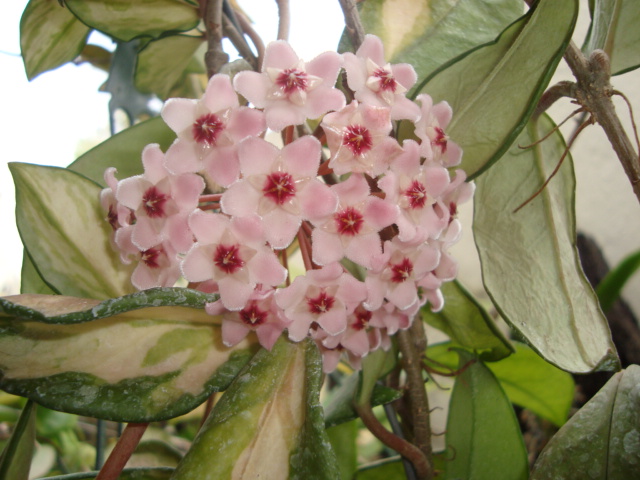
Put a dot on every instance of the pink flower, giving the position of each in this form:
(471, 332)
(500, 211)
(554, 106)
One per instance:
(281, 186)
(231, 252)
(208, 131)
(325, 296)
(378, 83)
(352, 231)
(359, 141)
(436, 145)
(161, 202)
(260, 315)
(290, 90)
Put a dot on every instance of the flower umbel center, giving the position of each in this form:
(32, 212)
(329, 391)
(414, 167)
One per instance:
(358, 139)
(253, 316)
(153, 202)
(416, 194)
(207, 129)
(349, 221)
(387, 82)
(363, 317)
(320, 304)
(227, 258)
(151, 258)
(292, 80)
(440, 139)
(279, 187)
(401, 271)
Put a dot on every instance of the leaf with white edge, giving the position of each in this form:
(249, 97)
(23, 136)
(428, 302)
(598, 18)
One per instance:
(123, 151)
(143, 363)
(64, 231)
(139, 473)
(272, 413)
(482, 430)
(50, 36)
(530, 264)
(126, 20)
(162, 63)
(614, 29)
(428, 34)
(494, 89)
(467, 323)
(602, 440)
(15, 461)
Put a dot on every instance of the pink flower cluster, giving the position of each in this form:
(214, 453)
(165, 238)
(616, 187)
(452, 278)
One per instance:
(229, 211)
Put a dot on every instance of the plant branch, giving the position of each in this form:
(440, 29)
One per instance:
(238, 41)
(215, 57)
(284, 16)
(122, 451)
(253, 35)
(355, 30)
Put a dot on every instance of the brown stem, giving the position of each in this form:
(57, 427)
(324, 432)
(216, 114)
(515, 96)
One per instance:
(284, 22)
(404, 448)
(239, 42)
(215, 57)
(355, 30)
(412, 343)
(253, 35)
(122, 451)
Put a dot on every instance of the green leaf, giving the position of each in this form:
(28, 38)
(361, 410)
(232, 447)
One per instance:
(50, 36)
(15, 461)
(125, 20)
(141, 364)
(602, 440)
(385, 471)
(482, 428)
(611, 285)
(343, 442)
(162, 63)
(614, 30)
(529, 259)
(123, 151)
(467, 324)
(427, 34)
(374, 366)
(271, 412)
(30, 279)
(155, 473)
(494, 89)
(340, 406)
(64, 231)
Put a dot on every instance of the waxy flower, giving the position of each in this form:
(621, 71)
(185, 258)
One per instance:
(378, 83)
(208, 131)
(280, 186)
(436, 144)
(232, 253)
(290, 90)
(359, 141)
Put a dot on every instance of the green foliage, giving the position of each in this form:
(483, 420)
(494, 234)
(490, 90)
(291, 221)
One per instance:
(15, 460)
(609, 288)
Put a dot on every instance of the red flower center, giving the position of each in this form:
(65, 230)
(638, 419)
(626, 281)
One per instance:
(363, 317)
(207, 129)
(440, 140)
(151, 257)
(279, 187)
(292, 80)
(320, 304)
(153, 202)
(349, 221)
(227, 258)
(253, 316)
(112, 217)
(416, 194)
(401, 271)
(358, 139)
(387, 82)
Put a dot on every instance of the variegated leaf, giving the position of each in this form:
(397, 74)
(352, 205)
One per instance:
(127, 360)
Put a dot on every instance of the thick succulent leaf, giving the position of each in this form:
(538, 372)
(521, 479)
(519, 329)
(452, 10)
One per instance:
(123, 151)
(530, 264)
(132, 362)
(602, 440)
(50, 36)
(340, 408)
(374, 366)
(611, 286)
(494, 89)
(15, 461)
(273, 415)
(125, 20)
(468, 324)
(343, 441)
(163, 62)
(614, 29)
(156, 473)
(64, 231)
(482, 430)
(30, 279)
(428, 34)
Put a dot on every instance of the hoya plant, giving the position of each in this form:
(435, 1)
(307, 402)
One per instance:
(276, 242)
